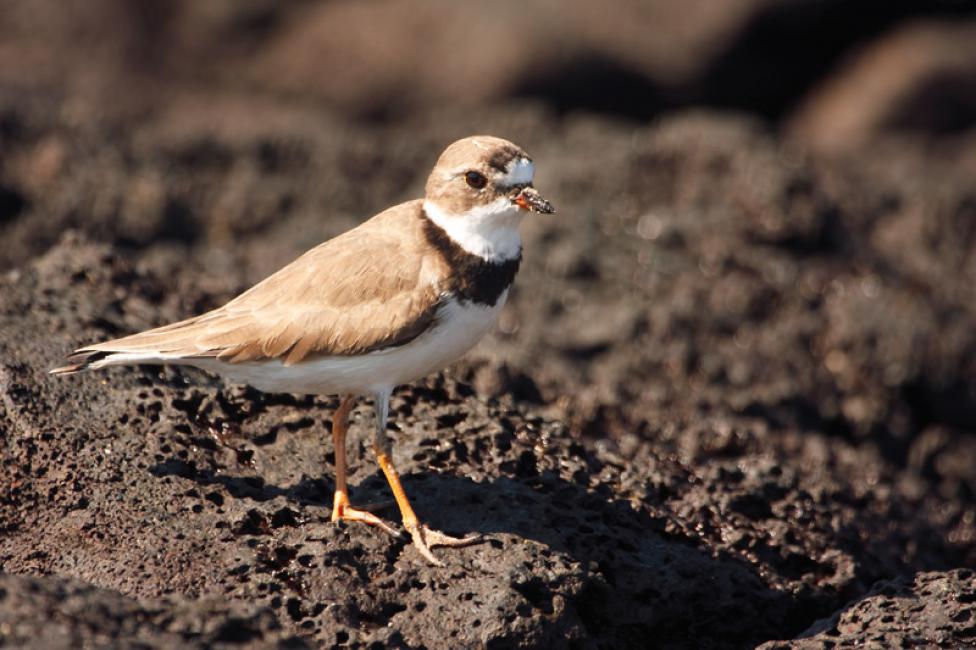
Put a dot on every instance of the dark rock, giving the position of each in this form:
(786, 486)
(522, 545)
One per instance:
(384, 60)
(732, 390)
(932, 609)
(918, 78)
(51, 612)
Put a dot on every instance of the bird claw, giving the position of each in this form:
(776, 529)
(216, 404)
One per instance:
(424, 538)
(342, 511)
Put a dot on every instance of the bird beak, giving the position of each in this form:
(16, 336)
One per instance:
(529, 199)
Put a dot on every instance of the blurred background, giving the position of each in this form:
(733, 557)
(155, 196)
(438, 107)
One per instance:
(833, 73)
(753, 157)
(764, 251)
(770, 161)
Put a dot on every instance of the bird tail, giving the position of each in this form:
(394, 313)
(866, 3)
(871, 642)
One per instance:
(168, 344)
(81, 361)
(87, 359)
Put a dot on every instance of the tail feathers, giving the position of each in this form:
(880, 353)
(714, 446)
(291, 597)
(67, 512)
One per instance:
(87, 359)
(80, 362)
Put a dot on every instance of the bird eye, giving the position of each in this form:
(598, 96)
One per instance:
(475, 180)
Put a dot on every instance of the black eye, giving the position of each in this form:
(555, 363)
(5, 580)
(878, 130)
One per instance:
(475, 180)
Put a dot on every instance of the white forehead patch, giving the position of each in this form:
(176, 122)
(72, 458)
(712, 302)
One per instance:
(520, 172)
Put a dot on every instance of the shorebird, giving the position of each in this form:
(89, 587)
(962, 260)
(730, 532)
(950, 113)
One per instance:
(400, 296)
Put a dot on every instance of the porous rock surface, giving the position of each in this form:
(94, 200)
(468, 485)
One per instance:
(732, 393)
(931, 610)
(64, 613)
(151, 485)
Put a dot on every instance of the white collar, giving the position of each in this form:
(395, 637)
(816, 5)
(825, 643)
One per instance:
(488, 231)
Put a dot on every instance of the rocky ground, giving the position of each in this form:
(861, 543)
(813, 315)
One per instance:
(732, 400)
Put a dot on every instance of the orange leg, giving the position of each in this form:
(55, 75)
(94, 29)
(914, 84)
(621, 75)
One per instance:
(340, 503)
(423, 537)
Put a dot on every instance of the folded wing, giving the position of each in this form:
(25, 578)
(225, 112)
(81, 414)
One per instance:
(365, 290)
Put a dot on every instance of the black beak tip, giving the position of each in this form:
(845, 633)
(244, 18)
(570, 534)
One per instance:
(531, 200)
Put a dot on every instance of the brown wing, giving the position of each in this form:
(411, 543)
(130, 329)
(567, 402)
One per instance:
(364, 290)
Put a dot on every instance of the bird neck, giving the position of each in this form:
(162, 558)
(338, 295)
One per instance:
(488, 231)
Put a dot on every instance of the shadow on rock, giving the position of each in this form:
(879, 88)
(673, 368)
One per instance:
(576, 563)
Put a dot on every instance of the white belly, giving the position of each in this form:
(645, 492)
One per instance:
(459, 328)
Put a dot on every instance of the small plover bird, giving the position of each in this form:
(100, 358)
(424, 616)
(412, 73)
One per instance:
(402, 295)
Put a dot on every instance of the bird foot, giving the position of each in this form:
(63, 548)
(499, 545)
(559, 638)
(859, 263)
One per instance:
(342, 511)
(424, 538)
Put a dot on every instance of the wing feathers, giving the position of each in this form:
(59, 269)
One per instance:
(370, 288)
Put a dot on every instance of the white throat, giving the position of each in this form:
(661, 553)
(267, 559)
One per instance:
(488, 231)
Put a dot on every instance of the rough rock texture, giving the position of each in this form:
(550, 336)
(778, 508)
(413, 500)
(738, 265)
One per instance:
(60, 613)
(933, 610)
(733, 389)
(732, 399)
(156, 486)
